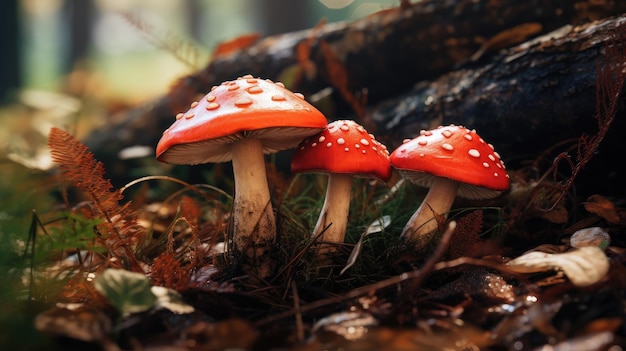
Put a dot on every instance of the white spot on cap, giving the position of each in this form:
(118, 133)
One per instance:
(194, 104)
(254, 89)
(446, 133)
(422, 142)
(468, 137)
(404, 141)
(313, 144)
(356, 146)
(297, 94)
(473, 153)
(329, 144)
(345, 128)
(346, 149)
(278, 98)
(447, 146)
(321, 139)
(212, 106)
(244, 101)
(364, 142)
(491, 157)
(341, 141)
(211, 98)
(485, 164)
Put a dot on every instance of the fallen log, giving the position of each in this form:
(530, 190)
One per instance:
(383, 55)
(533, 102)
(523, 99)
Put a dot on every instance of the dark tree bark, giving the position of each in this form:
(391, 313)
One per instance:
(80, 19)
(9, 47)
(390, 52)
(532, 101)
(524, 99)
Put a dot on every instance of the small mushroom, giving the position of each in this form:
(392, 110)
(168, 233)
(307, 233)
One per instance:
(343, 150)
(451, 160)
(241, 120)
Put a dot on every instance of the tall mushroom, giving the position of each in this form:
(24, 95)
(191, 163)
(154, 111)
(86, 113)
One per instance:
(343, 150)
(241, 120)
(451, 160)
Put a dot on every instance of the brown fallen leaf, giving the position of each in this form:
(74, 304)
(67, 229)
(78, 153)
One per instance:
(239, 43)
(603, 207)
(508, 38)
(77, 321)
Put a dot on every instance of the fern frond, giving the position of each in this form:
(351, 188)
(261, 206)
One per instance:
(119, 230)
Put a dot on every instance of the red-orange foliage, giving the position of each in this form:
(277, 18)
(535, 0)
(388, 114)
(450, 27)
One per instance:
(119, 231)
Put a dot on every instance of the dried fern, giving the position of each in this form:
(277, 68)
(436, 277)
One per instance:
(118, 232)
(609, 88)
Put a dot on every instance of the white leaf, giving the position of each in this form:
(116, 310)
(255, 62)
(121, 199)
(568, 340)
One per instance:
(584, 266)
(171, 300)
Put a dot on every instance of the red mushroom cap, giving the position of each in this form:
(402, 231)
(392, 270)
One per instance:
(243, 108)
(343, 147)
(453, 152)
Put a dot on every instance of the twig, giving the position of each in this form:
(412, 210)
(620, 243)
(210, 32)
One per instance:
(298, 313)
(419, 276)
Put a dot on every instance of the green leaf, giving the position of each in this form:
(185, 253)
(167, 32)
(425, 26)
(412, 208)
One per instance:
(76, 232)
(129, 292)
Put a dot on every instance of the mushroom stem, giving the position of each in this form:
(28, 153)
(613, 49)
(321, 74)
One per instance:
(438, 201)
(334, 214)
(254, 223)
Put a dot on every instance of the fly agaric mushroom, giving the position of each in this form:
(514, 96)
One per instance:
(241, 120)
(451, 160)
(343, 150)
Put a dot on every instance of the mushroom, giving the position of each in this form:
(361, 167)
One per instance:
(343, 150)
(451, 160)
(241, 120)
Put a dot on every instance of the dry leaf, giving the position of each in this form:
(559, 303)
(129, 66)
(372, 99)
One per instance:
(603, 207)
(77, 321)
(584, 266)
(233, 45)
(375, 227)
